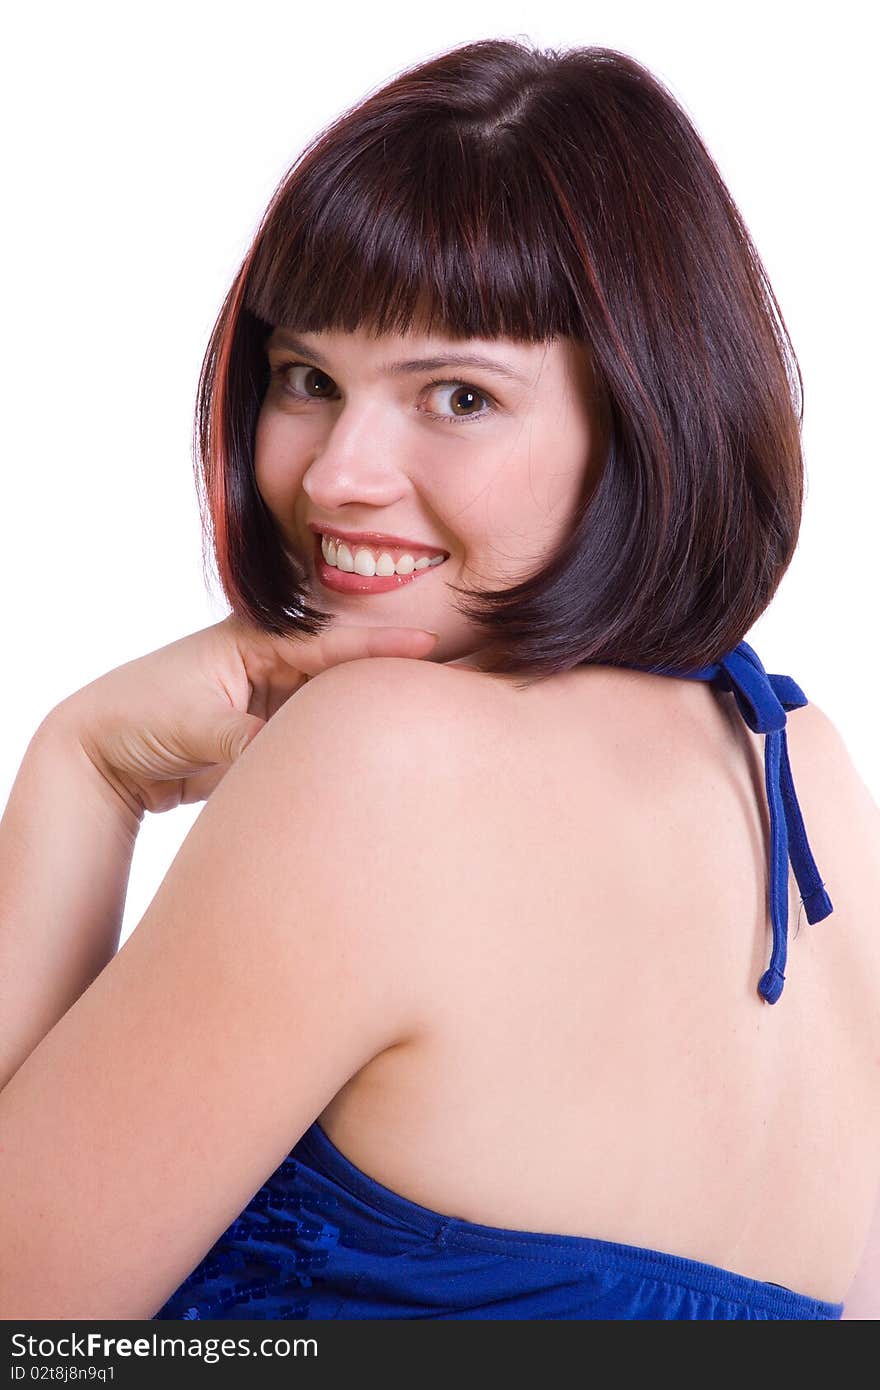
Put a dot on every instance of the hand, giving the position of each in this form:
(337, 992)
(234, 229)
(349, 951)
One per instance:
(164, 729)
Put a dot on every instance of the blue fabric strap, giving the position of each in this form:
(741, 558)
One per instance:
(762, 701)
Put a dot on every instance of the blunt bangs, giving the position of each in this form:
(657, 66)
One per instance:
(430, 239)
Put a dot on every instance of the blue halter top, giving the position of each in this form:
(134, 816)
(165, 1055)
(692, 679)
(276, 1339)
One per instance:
(762, 701)
(323, 1239)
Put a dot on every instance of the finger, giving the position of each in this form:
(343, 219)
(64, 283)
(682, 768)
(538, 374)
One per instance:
(234, 735)
(313, 654)
(387, 641)
(219, 736)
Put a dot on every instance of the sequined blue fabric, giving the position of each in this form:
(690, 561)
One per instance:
(322, 1239)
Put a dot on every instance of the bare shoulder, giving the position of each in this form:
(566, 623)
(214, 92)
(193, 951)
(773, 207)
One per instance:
(823, 758)
(405, 731)
(401, 705)
(371, 675)
(424, 744)
(842, 821)
(453, 716)
(398, 672)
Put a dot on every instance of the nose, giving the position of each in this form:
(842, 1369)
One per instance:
(357, 462)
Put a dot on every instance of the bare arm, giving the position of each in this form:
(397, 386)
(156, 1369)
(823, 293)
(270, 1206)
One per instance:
(66, 845)
(159, 730)
(251, 992)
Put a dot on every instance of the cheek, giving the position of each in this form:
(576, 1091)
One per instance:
(277, 466)
(534, 500)
(566, 452)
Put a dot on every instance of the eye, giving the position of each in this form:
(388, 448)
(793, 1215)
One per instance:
(467, 395)
(284, 369)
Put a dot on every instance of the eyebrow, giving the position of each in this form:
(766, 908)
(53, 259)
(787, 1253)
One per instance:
(412, 364)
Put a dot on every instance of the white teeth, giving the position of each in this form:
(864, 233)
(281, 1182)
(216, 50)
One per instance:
(365, 561)
(344, 560)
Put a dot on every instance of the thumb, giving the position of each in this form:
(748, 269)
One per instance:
(397, 641)
(233, 736)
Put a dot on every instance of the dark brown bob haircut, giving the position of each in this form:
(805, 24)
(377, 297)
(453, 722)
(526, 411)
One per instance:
(503, 191)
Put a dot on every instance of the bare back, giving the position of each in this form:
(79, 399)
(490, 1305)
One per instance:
(597, 1061)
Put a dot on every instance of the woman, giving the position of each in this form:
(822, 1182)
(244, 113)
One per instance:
(453, 1003)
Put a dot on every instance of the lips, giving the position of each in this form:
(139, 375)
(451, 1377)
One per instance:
(377, 541)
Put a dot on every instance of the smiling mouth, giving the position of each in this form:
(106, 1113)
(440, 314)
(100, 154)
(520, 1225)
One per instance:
(351, 581)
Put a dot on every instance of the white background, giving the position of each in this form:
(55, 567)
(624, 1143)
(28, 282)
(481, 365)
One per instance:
(141, 145)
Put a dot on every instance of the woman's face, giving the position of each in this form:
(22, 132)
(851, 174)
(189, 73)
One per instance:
(486, 468)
